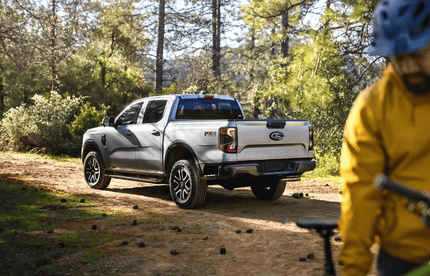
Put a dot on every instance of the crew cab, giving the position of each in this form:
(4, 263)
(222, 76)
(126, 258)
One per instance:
(192, 141)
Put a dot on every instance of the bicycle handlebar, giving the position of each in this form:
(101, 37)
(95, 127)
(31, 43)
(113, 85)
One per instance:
(381, 181)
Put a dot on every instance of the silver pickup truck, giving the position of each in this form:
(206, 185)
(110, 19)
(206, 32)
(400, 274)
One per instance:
(192, 141)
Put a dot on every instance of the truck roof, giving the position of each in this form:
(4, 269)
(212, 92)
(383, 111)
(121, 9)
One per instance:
(195, 96)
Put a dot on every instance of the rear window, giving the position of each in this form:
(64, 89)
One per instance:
(208, 109)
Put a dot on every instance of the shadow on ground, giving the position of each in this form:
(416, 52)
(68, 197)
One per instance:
(227, 203)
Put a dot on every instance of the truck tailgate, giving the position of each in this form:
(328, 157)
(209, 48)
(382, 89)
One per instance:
(272, 139)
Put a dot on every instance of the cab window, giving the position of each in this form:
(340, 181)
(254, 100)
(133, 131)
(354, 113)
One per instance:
(154, 111)
(208, 109)
(130, 115)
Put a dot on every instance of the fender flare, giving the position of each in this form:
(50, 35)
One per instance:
(90, 143)
(189, 149)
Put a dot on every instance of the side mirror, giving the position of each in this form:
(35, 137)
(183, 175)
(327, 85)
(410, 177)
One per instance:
(108, 121)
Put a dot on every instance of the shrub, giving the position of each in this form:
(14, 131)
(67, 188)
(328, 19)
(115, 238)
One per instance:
(40, 125)
(88, 117)
(327, 164)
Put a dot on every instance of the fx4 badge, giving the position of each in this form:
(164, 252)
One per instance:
(210, 133)
(277, 136)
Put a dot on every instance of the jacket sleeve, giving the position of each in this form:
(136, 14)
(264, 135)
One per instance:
(361, 159)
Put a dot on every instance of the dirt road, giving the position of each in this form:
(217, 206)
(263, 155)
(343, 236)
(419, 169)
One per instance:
(233, 233)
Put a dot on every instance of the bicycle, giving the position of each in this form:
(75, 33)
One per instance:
(325, 227)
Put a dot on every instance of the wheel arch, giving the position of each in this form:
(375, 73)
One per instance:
(88, 147)
(177, 152)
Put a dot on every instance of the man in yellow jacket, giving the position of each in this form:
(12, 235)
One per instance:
(388, 131)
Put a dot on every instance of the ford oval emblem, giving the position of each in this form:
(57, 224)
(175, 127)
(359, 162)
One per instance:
(277, 136)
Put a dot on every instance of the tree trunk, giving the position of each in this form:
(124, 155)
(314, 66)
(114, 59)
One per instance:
(160, 48)
(284, 43)
(53, 45)
(1, 94)
(103, 74)
(252, 48)
(216, 47)
(273, 45)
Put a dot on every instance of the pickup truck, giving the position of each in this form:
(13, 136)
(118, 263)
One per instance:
(192, 141)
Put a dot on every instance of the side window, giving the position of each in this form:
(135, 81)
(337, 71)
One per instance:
(130, 115)
(154, 111)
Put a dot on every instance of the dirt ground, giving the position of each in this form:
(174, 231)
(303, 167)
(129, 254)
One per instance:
(211, 240)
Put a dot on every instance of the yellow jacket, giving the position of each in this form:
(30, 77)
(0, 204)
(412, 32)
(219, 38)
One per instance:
(387, 130)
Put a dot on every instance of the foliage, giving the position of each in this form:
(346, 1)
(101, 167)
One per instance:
(104, 50)
(39, 125)
(326, 68)
(260, 13)
(108, 67)
(328, 164)
(314, 87)
(84, 49)
(19, 85)
(88, 117)
(190, 90)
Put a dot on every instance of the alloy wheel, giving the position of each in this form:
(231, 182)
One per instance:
(182, 185)
(92, 171)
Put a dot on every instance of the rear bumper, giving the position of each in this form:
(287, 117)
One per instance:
(281, 168)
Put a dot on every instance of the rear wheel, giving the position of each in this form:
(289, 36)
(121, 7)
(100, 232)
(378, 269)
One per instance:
(187, 188)
(268, 189)
(95, 172)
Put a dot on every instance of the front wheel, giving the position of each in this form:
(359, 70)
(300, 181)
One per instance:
(187, 188)
(268, 189)
(95, 172)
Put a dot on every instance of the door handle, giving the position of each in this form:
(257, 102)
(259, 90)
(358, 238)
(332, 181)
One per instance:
(129, 133)
(155, 133)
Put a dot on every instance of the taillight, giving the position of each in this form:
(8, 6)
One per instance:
(204, 96)
(228, 139)
(311, 138)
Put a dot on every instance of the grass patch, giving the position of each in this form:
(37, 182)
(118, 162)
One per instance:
(24, 209)
(334, 180)
(72, 214)
(90, 257)
(20, 207)
(34, 156)
(79, 240)
(31, 259)
(156, 218)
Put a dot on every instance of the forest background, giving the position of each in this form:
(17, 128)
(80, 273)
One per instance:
(65, 64)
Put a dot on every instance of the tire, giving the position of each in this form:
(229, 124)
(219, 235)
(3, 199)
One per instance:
(94, 171)
(271, 191)
(187, 188)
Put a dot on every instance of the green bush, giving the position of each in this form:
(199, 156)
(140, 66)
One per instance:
(327, 165)
(88, 117)
(40, 125)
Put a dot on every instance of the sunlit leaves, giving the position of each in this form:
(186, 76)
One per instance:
(39, 124)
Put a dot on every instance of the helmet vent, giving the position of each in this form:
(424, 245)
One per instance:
(403, 10)
(421, 6)
(418, 29)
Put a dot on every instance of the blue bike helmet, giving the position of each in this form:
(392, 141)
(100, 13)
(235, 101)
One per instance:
(400, 26)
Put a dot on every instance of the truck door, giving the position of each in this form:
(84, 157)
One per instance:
(149, 135)
(121, 140)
